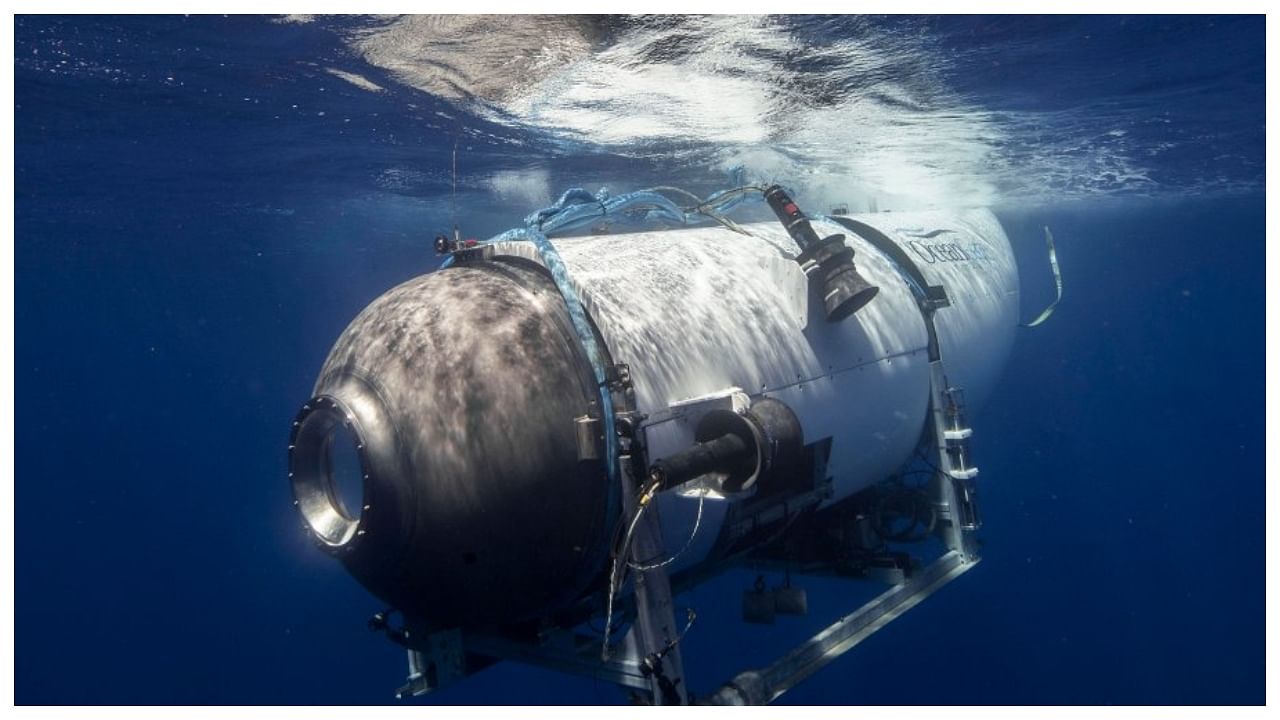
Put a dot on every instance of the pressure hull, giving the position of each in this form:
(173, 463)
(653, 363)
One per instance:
(695, 311)
(691, 312)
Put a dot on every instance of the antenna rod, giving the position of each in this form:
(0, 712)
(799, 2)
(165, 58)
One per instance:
(457, 236)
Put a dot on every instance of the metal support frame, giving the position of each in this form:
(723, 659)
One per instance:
(763, 686)
(654, 637)
(954, 499)
(569, 652)
(953, 492)
(648, 658)
(439, 660)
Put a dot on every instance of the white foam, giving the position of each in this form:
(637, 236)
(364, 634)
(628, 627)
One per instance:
(471, 56)
(527, 188)
(867, 118)
(358, 80)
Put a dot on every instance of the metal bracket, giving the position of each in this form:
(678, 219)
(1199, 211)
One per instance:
(589, 432)
(618, 378)
(441, 660)
(936, 297)
(474, 253)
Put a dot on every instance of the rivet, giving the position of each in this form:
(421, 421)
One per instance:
(295, 503)
(365, 508)
(359, 532)
(296, 423)
(291, 447)
(290, 474)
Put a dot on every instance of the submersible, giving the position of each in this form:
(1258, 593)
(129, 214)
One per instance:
(511, 419)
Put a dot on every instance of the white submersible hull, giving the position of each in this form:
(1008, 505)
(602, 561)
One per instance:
(487, 505)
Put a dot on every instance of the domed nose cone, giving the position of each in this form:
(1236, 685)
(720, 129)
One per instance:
(471, 379)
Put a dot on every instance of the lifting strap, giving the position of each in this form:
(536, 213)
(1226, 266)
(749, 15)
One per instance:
(1057, 279)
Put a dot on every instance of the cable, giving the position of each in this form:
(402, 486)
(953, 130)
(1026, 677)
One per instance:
(786, 525)
(714, 204)
(927, 474)
(924, 459)
(678, 191)
(697, 522)
(727, 223)
(717, 198)
(900, 501)
(615, 577)
(711, 200)
(620, 552)
(577, 208)
(653, 660)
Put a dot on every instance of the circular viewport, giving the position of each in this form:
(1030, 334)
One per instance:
(327, 471)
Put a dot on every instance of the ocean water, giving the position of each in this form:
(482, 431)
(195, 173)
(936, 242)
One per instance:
(203, 203)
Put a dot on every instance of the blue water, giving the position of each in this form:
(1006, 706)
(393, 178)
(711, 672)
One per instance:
(203, 203)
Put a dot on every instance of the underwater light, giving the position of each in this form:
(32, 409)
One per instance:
(828, 261)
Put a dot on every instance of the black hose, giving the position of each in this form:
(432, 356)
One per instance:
(720, 454)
